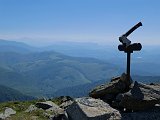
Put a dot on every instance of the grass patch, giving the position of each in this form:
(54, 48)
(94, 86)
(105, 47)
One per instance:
(21, 106)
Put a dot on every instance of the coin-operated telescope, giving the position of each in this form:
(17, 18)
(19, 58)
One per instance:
(128, 48)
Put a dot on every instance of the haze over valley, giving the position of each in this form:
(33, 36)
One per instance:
(62, 68)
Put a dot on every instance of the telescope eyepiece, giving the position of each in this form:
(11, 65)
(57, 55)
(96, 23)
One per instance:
(124, 40)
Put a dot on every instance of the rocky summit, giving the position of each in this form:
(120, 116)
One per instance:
(140, 97)
(134, 101)
(109, 91)
(127, 95)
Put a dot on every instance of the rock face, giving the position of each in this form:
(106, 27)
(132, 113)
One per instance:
(140, 97)
(91, 109)
(108, 91)
(65, 101)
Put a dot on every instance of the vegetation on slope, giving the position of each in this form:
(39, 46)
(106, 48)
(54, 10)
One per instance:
(9, 94)
(21, 106)
(42, 73)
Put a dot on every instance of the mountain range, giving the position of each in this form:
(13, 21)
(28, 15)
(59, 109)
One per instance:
(144, 62)
(40, 73)
(64, 69)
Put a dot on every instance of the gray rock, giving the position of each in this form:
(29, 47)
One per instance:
(2, 116)
(7, 113)
(91, 109)
(66, 104)
(114, 87)
(140, 97)
(65, 98)
(31, 108)
(46, 105)
(54, 112)
(108, 91)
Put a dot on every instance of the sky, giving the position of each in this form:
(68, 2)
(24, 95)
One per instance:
(43, 22)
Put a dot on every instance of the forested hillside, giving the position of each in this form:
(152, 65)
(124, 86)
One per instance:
(41, 73)
(9, 94)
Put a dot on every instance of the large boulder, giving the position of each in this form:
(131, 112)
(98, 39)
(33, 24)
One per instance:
(65, 101)
(53, 111)
(109, 90)
(7, 113)
(113, 87)
(46, 105)
(140, 97)
(91, 109)
(50, 107)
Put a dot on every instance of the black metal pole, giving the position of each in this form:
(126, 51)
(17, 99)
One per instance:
(128, 65)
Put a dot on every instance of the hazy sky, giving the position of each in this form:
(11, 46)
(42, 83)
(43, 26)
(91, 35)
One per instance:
(101, 21)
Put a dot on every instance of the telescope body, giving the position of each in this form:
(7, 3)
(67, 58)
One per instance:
(132, 29)
(130, 48)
